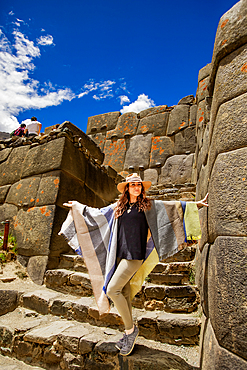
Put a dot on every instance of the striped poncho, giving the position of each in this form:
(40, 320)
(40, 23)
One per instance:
(92, 232)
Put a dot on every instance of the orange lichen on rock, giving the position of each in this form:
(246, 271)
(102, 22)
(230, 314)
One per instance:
(31, 200)
(43, 209)
(19, 186)
(56, 182)
(224, 23)
(244, 68)
(200, 119)
(30, 209)
(223, 42)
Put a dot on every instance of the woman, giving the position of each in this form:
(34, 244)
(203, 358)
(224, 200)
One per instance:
(123, 242)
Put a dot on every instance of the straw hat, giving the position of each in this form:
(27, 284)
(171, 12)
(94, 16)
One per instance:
(134, 177)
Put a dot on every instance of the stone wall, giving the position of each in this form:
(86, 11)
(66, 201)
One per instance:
(37, 177)
(158, 142)
(221, 169)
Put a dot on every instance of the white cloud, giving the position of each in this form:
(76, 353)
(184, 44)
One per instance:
(142, 102)
(18, 91)
(45, 40)
(104, 89)
(124, 99)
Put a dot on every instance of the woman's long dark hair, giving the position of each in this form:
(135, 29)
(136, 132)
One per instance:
(143, 203)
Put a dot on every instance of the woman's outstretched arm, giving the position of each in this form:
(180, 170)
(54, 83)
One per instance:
(203, 202)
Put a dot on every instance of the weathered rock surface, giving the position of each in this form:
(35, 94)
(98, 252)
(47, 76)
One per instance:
(162, 148)
(228, 192)
(216, 357)
(106, 121)
(227, 291)
(179, 119)
(8, 301)
(138, 152)
(156, 123)
(177, 170)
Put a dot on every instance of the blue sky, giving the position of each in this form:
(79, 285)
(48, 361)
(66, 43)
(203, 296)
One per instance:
(68, 60)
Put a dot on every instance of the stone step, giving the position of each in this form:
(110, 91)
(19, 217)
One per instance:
(174, 273)
(159, 326)
(57, 343)
(72, 262)
(73, 282)
(75, 262)
(173, 299)
(151, 297)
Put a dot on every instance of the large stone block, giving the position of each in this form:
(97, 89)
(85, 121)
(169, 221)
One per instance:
(227, 277)
(230, 127)
(115, 154)
(33, 230)
(204, 72)
(44, 158)
(8, 301)
(85, 140)
(138, 152)
(106, 121)
(202, 90)
(151, 175)
(231, 33)
(177, 170)
(185, 141)
(99, 139)
(203, 152)
(8, 212)
(178, 119)
(152, 111)
(203, 182)
(227, 213)
(4, 154)
(157, 124)
(100, 183)
(126, 126)
(11, 169)
(187, 100)
(192, 115)
(24, 192)
(58, 245)
(201, 278)
(3, 192)
(56, 154)
(36, 268)
(214, 357)
(230, 81)
(49, 186)
(162, 148)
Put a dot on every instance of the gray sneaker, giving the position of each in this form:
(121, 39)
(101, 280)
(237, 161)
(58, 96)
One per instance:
(120, 343)
(129, 342)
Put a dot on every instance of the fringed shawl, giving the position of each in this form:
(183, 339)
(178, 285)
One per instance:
(92, 232)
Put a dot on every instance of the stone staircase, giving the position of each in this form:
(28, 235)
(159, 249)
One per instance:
(57, 326)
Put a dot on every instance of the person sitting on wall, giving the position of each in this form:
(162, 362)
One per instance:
(33, 127)
(19, 132)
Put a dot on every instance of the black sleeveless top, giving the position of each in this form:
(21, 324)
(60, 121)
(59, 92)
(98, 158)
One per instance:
(132, 235)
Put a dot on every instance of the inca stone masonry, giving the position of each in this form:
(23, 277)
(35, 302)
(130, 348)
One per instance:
(200, 141)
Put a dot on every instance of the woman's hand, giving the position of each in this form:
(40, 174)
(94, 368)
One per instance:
(69, 204)
(203, 202)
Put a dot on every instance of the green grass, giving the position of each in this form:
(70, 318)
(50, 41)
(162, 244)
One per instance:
(11, 247)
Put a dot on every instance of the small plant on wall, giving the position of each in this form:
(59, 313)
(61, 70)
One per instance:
(11, 252)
